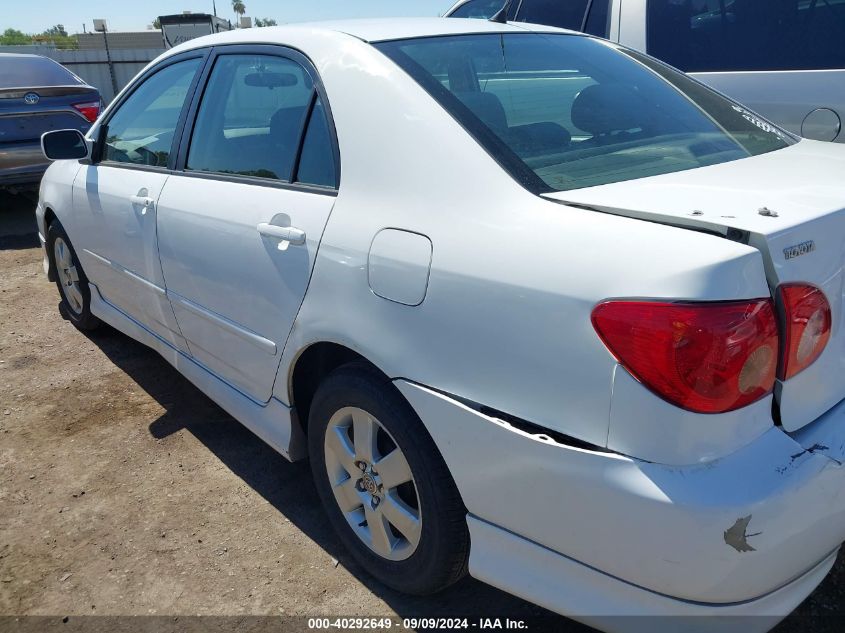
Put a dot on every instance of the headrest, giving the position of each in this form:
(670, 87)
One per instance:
(487, 107)
(605, 108)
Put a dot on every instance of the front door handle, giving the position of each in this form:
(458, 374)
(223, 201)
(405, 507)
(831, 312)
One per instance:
(283, 233)
(142, 201)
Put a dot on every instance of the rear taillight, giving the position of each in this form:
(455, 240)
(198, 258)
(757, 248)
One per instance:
(90, 109)
(806, 327)
(703, 357)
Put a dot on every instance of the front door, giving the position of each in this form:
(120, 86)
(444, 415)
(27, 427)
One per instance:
(115, 199)
(240, 221)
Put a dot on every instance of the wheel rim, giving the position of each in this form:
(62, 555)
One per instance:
(68, 275)
(373, 484)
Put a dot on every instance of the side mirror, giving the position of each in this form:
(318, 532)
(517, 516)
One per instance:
(65, 145)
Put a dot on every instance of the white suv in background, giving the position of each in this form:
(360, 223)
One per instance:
(784, 59)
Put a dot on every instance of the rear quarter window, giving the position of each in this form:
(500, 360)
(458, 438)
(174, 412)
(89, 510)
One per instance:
(747, 35)
(565, 14)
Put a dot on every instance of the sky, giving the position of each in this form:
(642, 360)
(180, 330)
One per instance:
(36, 16)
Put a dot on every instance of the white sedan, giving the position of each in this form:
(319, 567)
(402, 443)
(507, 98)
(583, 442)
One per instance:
(538, 307)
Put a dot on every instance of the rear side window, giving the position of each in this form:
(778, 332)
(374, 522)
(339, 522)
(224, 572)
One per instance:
(478, 9)
(32, 71)
(142, 128)
(735, 35)
(251, 117)
(316, 162)
(598, 20)
(565, 14)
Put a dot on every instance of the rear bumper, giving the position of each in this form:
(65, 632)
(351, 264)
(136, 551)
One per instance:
(734, 530)
(21, 163)
(525, 569)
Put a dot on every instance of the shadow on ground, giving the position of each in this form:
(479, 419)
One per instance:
(17, 220)
(288, 487)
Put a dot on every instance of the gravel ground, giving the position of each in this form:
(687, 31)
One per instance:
(125, 491)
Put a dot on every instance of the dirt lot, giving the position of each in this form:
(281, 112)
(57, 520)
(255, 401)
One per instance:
(125, 491)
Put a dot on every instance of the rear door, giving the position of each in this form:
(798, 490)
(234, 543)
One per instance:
(240, 222)
(115, 197)
(784, 59)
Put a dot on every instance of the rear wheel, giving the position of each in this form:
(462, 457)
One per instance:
(70, 279)
(384, 485)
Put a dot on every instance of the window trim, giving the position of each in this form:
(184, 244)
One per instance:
(102, 128)
(273, 50)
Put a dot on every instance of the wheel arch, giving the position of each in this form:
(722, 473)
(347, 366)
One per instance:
(310, 367)
(49, 217)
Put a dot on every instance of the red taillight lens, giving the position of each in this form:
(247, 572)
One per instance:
(90, 110)
(703, 357)
(807, 322)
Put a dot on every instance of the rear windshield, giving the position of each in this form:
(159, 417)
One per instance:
(725, 35)
(563, 112)
(17, 71)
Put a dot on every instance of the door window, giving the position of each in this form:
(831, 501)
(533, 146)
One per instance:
(598, 20)
(142, 128)
(565, 14)
(479, 9)
(732, 35)
(316, 163)
(251, 117)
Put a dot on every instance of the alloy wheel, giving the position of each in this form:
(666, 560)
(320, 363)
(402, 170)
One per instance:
(373, 484)
(68, 275)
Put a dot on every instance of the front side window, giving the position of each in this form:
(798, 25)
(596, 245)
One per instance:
(735, 35)
(142, 128)
(563, 112)
(564, 14)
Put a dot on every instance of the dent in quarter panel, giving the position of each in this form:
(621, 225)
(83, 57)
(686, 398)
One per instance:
(398, 266)
(648, 524)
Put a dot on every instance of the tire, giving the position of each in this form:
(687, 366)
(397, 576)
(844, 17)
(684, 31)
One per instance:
(435, 554)
(70, 279)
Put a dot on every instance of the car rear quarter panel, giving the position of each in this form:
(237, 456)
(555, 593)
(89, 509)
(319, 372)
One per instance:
(506, 318)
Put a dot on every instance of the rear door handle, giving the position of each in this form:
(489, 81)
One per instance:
(283, 233)
(142, 201)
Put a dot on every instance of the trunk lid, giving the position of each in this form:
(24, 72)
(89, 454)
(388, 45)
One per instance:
(790, 205)
(22, 122)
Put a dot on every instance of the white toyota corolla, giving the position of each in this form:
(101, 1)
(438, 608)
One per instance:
(536, 306)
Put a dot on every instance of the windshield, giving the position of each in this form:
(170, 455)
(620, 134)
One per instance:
(563, 112)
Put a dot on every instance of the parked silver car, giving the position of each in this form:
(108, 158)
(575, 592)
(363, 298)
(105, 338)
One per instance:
(784, 59)
(38, 95)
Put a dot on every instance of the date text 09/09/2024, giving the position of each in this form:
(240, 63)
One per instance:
(413, 624)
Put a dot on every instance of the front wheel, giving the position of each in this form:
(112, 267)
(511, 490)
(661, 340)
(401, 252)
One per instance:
(70, 279)
(384, 485)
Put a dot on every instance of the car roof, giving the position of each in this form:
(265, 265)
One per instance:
(27, 55)
(368, 30)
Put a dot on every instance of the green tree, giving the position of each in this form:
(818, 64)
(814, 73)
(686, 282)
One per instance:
(265, 22)
(13, 36)
(239, 8)
(56, 31)
(156, 23)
